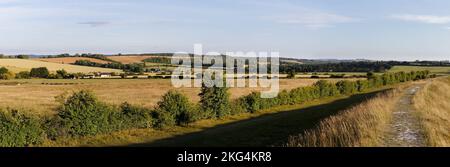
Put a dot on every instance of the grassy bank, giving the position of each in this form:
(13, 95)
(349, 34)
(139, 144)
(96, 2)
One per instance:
(433, 106)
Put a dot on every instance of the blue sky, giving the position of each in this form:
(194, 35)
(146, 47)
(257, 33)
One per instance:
(340, 29)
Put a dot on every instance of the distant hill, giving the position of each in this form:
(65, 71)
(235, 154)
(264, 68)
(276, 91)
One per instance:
(18, 65)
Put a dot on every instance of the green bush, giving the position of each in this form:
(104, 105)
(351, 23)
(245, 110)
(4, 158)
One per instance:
(6, 74)
(252, 102)
(215, 100)
(284, 98)
(238, 106)
(346, 87)
(326, 89)
(41, 72)
(163, 119)
(23, 75)
(61, 74)
(18, 130)
(82, 114)
(362, 85)
(174, 108)
(22, 56)
(135, 117)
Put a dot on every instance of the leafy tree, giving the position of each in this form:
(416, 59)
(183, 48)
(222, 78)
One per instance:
(41, 72)
(6, 74)
(23, 56)
(60, 74)
(291, 75)
(215, 100)
(82, 114)
(3, 70)
(174, 108)
(23, 75)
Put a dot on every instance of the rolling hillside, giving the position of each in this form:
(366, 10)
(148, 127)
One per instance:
(71, 60)
(129, 59)
(17, 65)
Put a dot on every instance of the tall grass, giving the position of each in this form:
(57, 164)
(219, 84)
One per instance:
(433, 106)
(359, 126)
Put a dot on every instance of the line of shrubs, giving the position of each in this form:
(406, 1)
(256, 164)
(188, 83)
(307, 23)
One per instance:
(82, 114)
(322, 89)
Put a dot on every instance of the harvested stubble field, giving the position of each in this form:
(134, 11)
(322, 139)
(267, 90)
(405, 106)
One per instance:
(71, 60)
(37, 96)
(17, 65)
(129, 59)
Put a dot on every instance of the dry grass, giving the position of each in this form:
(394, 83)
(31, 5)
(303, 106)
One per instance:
(71, 60)
(433, 106)
(17, 65)
(39, 98)
(361, 126)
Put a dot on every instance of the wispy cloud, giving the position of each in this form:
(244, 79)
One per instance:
(313, 19)
(289, 13)
(429, 19)
(95, 23)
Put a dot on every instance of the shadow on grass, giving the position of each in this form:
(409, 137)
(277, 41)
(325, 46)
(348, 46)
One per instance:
(265, 130)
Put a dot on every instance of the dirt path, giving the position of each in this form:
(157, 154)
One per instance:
(405, 130)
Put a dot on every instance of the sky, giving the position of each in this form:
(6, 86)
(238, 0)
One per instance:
(308, 29)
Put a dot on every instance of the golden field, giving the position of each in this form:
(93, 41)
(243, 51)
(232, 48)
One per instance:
(17, 65)
(37, 95)
(71, 60)
(129, 59)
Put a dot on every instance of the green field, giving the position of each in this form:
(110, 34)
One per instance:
(435, 70)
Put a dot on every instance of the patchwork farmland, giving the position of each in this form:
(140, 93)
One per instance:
(18, 65)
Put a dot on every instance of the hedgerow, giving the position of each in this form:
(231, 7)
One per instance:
(19, 130)
(323, 89)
